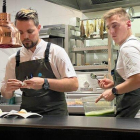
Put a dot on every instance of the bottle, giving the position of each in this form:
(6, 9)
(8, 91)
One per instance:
(82, 29)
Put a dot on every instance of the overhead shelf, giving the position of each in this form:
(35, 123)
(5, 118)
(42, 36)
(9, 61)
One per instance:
(90, 67)
(89, 48)
(85, 38)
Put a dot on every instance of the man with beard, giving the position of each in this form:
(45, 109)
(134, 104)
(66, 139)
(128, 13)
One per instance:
(42, 70)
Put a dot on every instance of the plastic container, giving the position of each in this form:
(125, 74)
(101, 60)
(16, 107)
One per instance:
(74, 102)
(102, 108)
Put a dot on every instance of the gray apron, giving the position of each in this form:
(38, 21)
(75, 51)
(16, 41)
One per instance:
(128, 104)
(44, 102)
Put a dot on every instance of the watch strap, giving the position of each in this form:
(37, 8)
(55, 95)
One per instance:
(46, 84)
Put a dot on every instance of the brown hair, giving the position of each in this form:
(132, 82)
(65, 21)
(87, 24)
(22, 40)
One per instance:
(27, 14)
(117, 11)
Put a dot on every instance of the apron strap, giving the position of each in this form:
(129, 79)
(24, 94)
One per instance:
(47, 52)
(17, 58)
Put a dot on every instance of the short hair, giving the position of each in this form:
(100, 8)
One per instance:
(27, 14)
(117, 11)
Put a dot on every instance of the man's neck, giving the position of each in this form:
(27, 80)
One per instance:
(128, 35)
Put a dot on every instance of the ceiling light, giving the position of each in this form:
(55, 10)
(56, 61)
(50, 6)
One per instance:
(9, 34)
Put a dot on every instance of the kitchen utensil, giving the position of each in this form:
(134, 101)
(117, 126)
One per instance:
(93, 76)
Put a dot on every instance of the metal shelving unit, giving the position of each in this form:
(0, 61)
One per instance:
(89, 48)
(83, 51)
(91, 67)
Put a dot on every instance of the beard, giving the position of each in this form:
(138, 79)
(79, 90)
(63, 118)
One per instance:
(30, 43)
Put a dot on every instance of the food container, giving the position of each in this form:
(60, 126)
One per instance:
(101, 108)
(74, 102)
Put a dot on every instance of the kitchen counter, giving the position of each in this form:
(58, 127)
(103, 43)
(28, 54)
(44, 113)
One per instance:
(71, 109)
(70, 127)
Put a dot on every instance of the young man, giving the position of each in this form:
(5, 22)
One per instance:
(42, 70)
(127, 70)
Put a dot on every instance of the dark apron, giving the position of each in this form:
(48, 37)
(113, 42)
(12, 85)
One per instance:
(45, 102)
(128, 104)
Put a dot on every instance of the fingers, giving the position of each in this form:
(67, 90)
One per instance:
(26, 85)
(102, 84)
(33, 83)
(30, 84)
(12, 86)
(13, 80)
(14, 83)
(99, 98)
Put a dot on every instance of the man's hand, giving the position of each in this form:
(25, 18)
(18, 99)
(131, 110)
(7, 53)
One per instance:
(106, 83)
(33, 83)
(107, 95)
(12, 85)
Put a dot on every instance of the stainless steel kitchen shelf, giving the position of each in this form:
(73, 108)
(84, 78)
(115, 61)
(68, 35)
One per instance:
(89, 67)
(89, 48)
(84, 50)
(85, 38)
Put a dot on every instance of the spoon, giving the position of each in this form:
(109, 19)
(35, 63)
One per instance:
(93, 76)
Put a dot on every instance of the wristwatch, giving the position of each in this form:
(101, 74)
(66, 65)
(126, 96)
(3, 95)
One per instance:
(114, 91)
(46, 84)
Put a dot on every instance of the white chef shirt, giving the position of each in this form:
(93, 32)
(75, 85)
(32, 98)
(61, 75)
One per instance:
(58, 58)
(128, 63)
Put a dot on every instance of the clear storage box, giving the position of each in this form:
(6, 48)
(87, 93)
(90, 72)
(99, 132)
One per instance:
(97, 109)
(74, 102)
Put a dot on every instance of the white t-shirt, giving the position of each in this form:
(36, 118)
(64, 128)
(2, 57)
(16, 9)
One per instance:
(128, 63)
(58, 58)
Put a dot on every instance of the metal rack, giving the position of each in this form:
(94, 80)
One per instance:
(84, 50)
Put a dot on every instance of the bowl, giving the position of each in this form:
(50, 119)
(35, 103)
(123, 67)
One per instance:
(101, 108)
